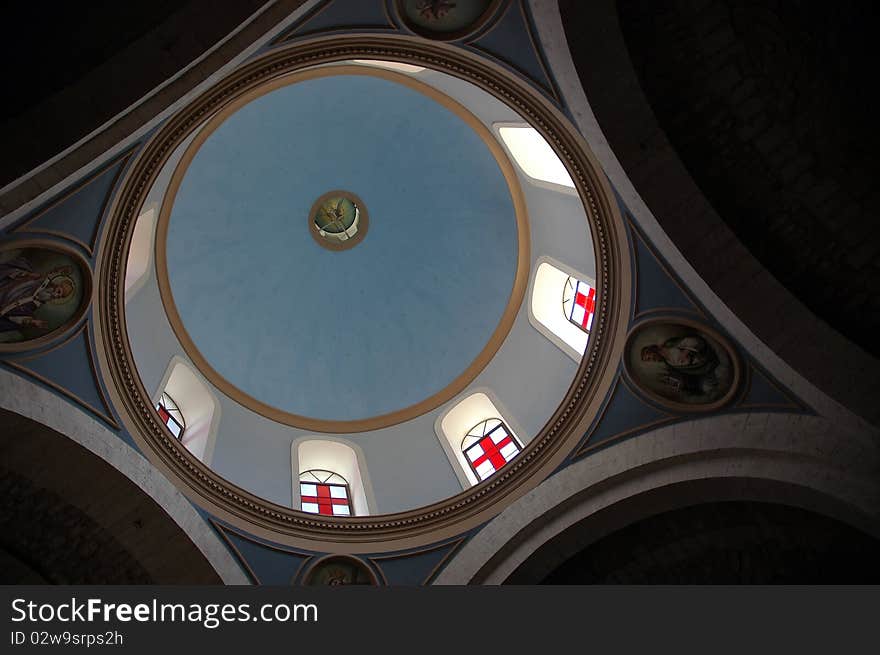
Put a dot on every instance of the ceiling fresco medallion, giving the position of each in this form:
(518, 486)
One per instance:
(681, 364)
(446, 20)
(338, 220)
(44, 290)
(405, 529)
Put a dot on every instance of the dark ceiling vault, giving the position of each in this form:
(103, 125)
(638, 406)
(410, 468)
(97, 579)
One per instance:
(765, 103)
(95, 59)
(63, 544)
(68, 517)
(727, 543)
(81, 34)
(741, 128)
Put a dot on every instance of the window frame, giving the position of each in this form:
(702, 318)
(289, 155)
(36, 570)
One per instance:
(198, 404)
(317, 481)
(163, 405)
(478, 440)
(545, 311)
(568, 314)
(468, 410)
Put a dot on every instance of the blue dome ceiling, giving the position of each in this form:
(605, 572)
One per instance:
(358, 333)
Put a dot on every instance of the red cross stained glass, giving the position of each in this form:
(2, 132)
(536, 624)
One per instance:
(170, 415)
(325, 493)
(579, 303)
(491, 446)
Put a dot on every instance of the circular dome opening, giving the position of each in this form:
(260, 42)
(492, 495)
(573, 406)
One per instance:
(338, 220)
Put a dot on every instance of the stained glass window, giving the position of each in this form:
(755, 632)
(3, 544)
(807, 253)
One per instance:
(488, 446)
(170, 415)
(324, 492)
(579, 303)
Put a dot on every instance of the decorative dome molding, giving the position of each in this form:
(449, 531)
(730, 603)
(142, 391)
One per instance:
(427, 524)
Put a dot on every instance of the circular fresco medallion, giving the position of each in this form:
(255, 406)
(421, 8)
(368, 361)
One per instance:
(338, 220)
(337, 571)
(682, 364)
(446, 19)
(44, 289)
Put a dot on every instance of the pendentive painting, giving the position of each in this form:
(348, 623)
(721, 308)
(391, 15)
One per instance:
(42, 290)
(681, 364)
(445, 19)
(339, 571)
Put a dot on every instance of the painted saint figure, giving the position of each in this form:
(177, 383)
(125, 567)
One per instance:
(690, 364)
(24, 290)
(681, 364)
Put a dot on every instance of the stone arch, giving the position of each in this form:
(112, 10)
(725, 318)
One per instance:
(713, 541)
(62, 422)
(801, 461)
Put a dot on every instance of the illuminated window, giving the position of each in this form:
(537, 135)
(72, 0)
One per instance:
(170, 415)
(324, 492)
(534, 155)
(479, 436)
(488, 446)
(329, 478)
(579, 303)
(185, 394)
(563, 305)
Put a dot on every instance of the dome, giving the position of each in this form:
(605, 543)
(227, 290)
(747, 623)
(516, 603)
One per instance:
(365, 267)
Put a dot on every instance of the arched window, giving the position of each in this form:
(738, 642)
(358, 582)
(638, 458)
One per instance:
(579, 303)
(488, 446)
(170, 415)
(563, 304)
(477, 437)
(330, 478)
(189, 410)
(324, 492)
